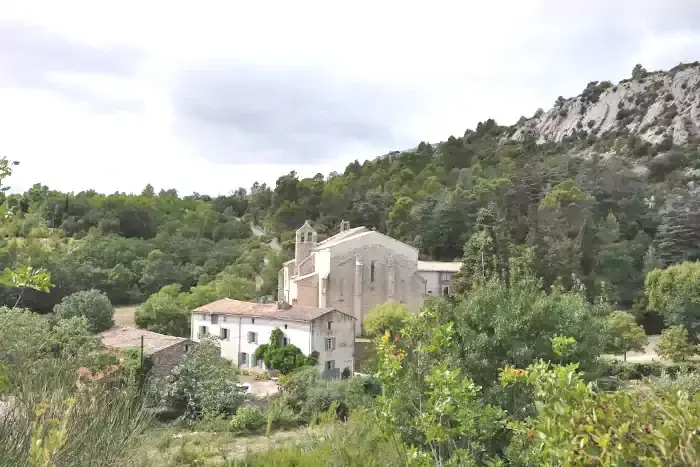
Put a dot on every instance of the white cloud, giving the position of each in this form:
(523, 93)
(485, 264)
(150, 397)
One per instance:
(454, 63)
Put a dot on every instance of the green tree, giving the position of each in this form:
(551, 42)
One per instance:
(674, 292)
(639, 72)
(283, 358)
(387, 317)
(400, 221)
(205, 382)
(91, 304)
(164, 312)
(623, 334)
(673, 344)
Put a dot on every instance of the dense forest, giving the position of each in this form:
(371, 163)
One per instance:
(602, 208)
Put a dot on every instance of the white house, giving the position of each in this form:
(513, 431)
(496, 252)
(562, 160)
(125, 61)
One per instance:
(357, 269)
(438, 276)
(243, 326)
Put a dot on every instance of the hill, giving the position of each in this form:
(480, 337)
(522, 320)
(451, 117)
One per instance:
(598, 189)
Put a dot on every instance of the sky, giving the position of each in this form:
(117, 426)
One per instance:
(212, 95)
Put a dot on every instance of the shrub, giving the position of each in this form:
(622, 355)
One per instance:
(674, 344)
(575, 423)
(204, 382)
(283, 358)
(623, 334)
(91, 304)
(684, 379)
(248, 418)
(390, 316)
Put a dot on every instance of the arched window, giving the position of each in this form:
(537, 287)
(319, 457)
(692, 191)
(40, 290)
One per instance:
(371, 272)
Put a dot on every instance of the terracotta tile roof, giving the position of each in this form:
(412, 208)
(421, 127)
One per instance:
(229, 306)
(121, 337)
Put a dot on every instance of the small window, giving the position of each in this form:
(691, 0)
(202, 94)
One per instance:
(446, 291)
(225, 319)
(330, 343)
(202, 331)
(187, 348)
(285, 326)
(329, 325)
(252, 320)
(214, 319)
(252, 337)
(285, 341)
(330, 364)
(371, 272)
(243, 359)
(223, 334)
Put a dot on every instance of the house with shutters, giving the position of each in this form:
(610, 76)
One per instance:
(242, 327)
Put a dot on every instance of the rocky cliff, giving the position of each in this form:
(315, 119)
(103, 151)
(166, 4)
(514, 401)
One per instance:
(661, 108)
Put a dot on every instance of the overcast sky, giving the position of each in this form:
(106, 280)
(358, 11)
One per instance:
(219, 94)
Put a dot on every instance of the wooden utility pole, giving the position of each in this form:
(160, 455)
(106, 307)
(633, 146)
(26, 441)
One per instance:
(141, 353)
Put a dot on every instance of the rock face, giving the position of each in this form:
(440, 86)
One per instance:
(656, 106)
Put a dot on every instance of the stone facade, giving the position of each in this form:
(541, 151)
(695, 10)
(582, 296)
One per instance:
(353, 272)
(165, 360)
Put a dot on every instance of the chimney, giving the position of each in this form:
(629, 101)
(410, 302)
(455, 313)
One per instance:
(282, 305)
(344, 225)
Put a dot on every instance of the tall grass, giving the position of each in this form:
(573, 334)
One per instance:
(103, 427)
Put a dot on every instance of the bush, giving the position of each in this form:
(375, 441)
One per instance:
(205, 382)
(248, 418)
(103, 425)
(575, 423)
(390, 316)
(623, 334)
(91, 304)
(674, 344)
(629, 371)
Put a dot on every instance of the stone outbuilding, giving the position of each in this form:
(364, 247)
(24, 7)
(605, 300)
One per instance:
(166, 352)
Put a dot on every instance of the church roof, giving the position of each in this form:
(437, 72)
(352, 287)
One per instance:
(342, 236)
(229, 306)
(439, 266)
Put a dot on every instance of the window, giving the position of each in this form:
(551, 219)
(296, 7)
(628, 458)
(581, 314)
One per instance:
(285, 341)
(371, 272)
(223, 334)
(446, 291)
(330, 365)
(187, 348)
(285, 326)
(444, 276)
(243, 359)
(252, 337)
(252, 320)
(202, 331)
(330, 343)
(225, 319)
(214, 319)
(329, 325)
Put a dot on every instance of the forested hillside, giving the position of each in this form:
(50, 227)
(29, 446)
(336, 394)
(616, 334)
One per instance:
(596, 201)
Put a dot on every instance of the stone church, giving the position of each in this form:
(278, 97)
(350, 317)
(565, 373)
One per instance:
(357, 269)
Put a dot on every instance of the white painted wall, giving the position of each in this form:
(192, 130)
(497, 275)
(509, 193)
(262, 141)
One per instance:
(307, 336)
(436, 281)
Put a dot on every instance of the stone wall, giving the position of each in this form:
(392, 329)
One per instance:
(383, 276)
(167, 359)
(307, 291)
